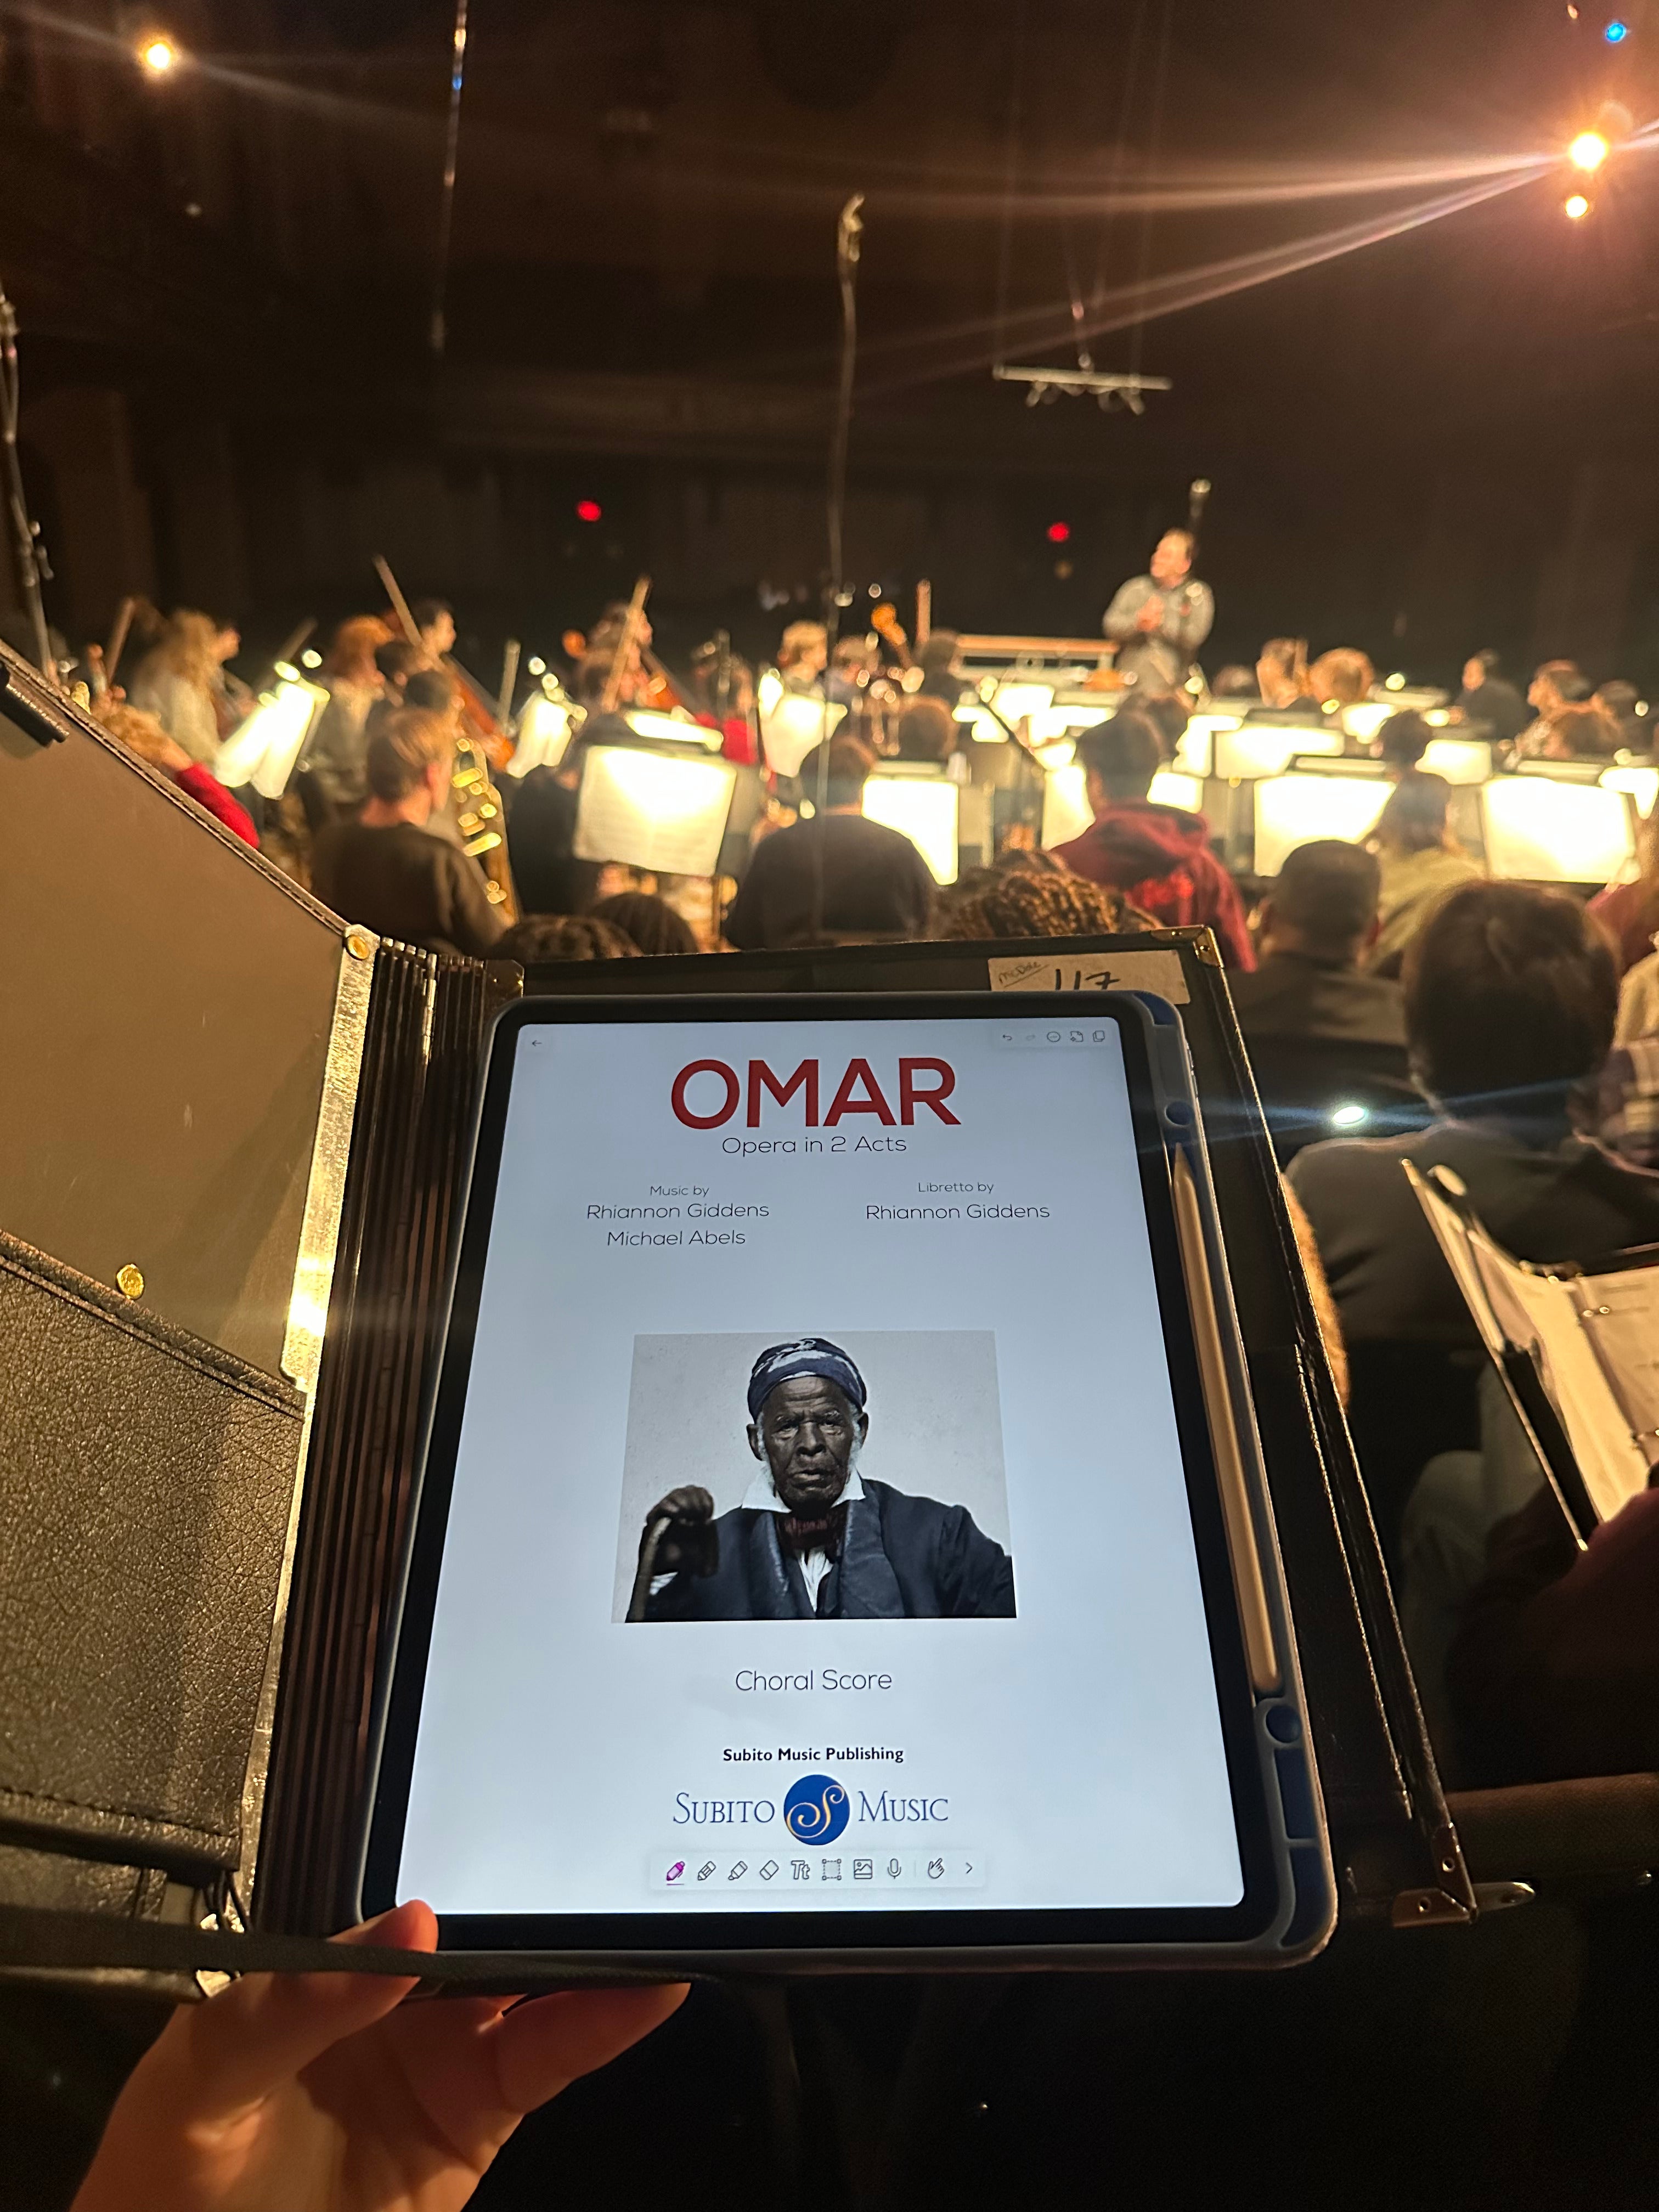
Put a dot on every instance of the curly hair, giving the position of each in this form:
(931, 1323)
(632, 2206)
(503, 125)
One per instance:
(540, 937)
(1024, 901)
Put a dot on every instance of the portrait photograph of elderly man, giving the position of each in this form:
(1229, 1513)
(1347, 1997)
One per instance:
(815, 1537)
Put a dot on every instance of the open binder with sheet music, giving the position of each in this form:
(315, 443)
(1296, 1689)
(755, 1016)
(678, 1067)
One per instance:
(1577, 1347)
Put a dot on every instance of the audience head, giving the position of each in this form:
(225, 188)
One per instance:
(851, 656)
(544, 936)
(1556, 684)
(410, 756)
(188, 645)
(937, 656)
(1034, 898)
(1478, 667)
(850, 761)
(1512, 994)
(651, 922)
(435, 620)
(1281, 672)
(397, 660)
(1618, 701)
(1120, 758)
(1324, 902)
(1581, 733)
(1234, 681)
(434, 690)
(927, 732)
(351, 657)
(804, 649)
(1403, 739)
(1414, 819)
(1169, 713)
(1343, 674)
(140, 733)
(1172, 558)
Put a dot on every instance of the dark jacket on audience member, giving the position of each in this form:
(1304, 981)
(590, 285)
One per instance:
(875, 884)
(1161, 857)
(1555, 1670)
(1297, 995)
(403, 882)
(1567, 1201)
(1414, 1359)
(1323, 1033)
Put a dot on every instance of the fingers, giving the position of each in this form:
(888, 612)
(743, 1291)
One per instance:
(541, 2046)
(222, 2056)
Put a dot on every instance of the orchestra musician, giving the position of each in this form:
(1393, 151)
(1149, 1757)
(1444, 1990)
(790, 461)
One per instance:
(1158, 621)
(803, 656)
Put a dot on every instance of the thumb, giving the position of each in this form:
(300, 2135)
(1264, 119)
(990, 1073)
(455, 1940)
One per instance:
(219, 2058)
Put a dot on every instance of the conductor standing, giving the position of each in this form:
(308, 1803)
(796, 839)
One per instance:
(1159, 621)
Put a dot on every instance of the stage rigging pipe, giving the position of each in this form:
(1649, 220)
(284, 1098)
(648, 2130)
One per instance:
(30, 561)
(849, 232)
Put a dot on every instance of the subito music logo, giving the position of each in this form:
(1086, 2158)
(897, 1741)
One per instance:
(815, 1811)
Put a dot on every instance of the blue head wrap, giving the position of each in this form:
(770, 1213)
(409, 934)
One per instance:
(805, 1355)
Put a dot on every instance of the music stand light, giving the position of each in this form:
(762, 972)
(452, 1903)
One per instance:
(677, 729)
(1293, 810)
(1642, 783)
(925, 808)
(1266, 749)
(1460, 760)
(1540, 831)
(544, 735)
(264, 748)
(794, 726)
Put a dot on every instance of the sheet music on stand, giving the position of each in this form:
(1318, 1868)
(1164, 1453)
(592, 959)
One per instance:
(656, 811)
(791, 728)
(1592, 1341)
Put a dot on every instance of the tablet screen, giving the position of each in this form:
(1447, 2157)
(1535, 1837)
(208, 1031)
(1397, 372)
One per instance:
(819, 1538)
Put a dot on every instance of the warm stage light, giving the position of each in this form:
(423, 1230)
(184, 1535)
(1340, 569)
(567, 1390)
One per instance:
(1059, 532)
(588, 510)
(1575, 207)
(1588, 151)
(157, 53)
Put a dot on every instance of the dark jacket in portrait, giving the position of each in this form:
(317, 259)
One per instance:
(899, 1558)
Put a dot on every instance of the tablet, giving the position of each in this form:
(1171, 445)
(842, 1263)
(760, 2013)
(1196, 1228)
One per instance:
(840, 1539)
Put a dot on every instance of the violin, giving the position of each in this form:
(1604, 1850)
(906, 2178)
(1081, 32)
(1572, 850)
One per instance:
(646, 683)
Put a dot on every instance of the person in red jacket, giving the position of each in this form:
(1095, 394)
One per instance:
(1158, 856)
(142, 734)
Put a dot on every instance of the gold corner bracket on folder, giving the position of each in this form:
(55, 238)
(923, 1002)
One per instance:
(1261, 1648)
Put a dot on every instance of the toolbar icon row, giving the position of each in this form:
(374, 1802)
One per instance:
(704, 1875)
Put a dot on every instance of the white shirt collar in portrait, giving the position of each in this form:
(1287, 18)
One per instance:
(763, 1497)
